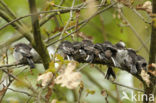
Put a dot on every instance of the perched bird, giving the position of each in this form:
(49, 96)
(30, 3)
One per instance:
(120, 45)
(132, 60)
(88, 47)
(22, 53)
(100, 52)
(110, 51)
(79, 52)
(67, 48)
(141, 63)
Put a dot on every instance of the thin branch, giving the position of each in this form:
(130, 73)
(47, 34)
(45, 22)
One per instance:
(139, 15)
(10, 12)
(136, 89)
(23, 92)
(116, 83)
(10, 65)
(147, 42)
(97, 84)
(56, 12)
(68, 34)
(135, 32)
(83, 23)
(2, 96)
(15, 25)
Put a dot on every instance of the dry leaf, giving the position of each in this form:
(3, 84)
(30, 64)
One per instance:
(45, 78)
(69, 78)
(145, 77)
(148, 6)
(103, 92)
(152, 69)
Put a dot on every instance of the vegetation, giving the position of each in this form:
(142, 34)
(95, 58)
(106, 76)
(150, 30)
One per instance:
(44, 24)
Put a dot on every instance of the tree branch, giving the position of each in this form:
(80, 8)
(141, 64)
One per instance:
(123, 58)
(38, 43)
(152, 54)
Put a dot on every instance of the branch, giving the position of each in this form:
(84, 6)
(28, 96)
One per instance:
(135, 32)
(97, 84)
(152, 54)
(112, 56)
(10, 65)
(82, 23)
(17, 26)
(38, 43)
(55, 12)
(26, 93)
(116, 83)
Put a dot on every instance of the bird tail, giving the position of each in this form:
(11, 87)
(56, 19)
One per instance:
(31, 63)
(109, 73)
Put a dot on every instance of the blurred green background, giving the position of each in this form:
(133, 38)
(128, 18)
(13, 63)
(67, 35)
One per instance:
(105, 27)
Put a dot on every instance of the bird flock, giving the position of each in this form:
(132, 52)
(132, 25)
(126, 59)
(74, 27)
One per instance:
(104, 53)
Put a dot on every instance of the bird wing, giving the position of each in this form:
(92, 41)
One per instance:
(25, 52)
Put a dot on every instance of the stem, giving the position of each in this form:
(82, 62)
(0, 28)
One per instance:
(152, 54)
(38, 43)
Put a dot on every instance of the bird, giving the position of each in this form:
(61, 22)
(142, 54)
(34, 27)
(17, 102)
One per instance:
(120, 45)
(22, 53)
(132, 60)
(88, 47)
(67, 48)
(100, 52)
(109, 73)
(141, 63)
(79, 52)
(110, 51)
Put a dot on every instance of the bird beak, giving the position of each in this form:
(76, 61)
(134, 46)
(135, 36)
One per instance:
(12, 48)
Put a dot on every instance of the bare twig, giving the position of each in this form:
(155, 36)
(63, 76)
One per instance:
(10, 65)
(10, 12)
(15, 25)
(136, 89)
(113, 82)
(139, 15)
(83, 23)
(26, 93)
(147, 42)
(42, 12)
(135, 32)
(97, 84)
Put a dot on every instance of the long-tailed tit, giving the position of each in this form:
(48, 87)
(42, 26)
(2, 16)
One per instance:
(22, 53)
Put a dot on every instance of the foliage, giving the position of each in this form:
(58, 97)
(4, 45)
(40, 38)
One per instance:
(73, 20)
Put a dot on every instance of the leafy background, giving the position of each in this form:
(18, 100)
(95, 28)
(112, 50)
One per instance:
(104, 27)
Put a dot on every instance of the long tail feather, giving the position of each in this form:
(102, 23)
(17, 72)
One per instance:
(31, 63)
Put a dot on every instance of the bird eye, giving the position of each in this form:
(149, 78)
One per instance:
(144, 65)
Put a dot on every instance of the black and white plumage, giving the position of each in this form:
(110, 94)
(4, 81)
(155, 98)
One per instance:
(110, 51)
(106, 53)
(100, 52)
(67, 48)
(141, 63)
(109, 73)
(120, 45)
(22, 53)
(88, 47)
